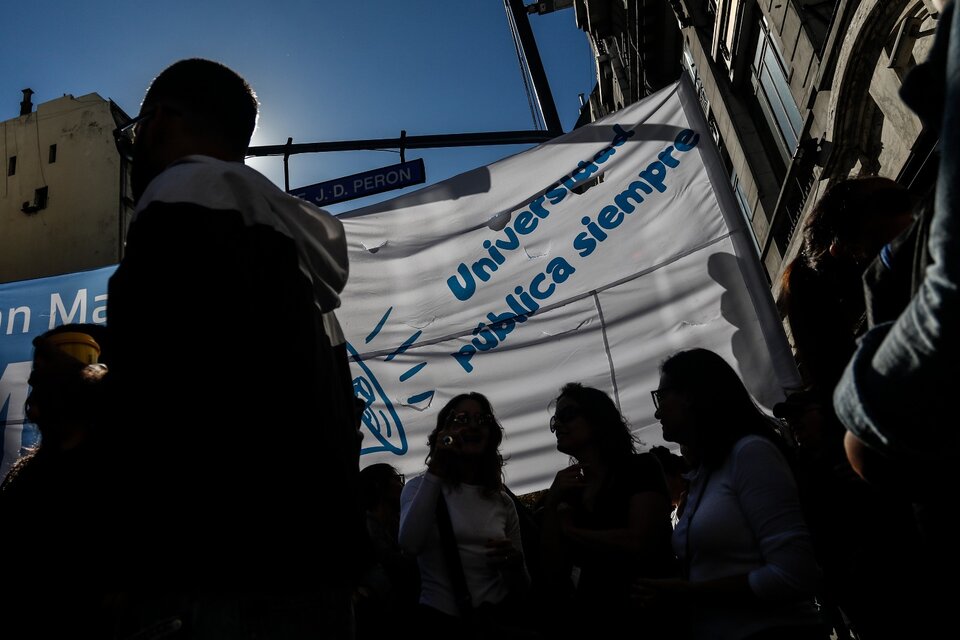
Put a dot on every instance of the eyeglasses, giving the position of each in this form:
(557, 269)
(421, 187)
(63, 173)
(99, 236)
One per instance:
(657, 395)
(563, 416)
(125, 135)
(479, 419)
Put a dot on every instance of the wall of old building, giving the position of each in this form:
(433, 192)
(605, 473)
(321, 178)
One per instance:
(798, 94)
(65, 147)
(835, 70)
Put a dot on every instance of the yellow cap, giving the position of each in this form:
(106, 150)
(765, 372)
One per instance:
(77, 345)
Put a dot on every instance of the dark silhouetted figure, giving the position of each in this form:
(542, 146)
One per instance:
(823, 287)
(897, 393)
(387, 596)
(606, 521)
(235, 414)
(54, 501)
(864, 536)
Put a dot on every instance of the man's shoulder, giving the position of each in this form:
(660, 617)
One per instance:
(210, 183)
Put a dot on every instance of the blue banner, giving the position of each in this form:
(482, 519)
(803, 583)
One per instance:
(27, 309)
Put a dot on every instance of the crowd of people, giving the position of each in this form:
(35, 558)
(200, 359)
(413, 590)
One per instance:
(243, 512)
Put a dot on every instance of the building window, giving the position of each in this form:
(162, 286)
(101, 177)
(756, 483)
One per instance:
(12, 166)
(40, 198)
(741, 196)
(744, 204)
(691, 67)
(773, 92)
(53, 154)
(39, 201)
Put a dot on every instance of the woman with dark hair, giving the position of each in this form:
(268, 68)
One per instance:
(822, 289)
(458, 520)
(606, 519)
(749, 565)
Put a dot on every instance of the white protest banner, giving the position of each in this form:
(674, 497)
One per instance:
(589, 258)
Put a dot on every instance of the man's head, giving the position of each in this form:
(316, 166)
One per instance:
(194, 106)
(811, 421)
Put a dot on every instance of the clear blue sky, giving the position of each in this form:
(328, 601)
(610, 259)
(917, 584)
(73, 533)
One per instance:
(323, 70)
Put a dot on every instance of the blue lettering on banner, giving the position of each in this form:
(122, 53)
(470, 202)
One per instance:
(524, 302)
(380, 416)
(463, 284)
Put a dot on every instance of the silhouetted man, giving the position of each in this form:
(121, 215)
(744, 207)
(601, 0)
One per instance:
(234, 398)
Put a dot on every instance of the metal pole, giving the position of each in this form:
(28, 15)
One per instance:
(548, 109)
(286, 165)
(407, 142)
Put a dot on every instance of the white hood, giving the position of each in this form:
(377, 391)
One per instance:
(233, 186)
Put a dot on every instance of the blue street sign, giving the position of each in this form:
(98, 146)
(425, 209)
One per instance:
(396, 176)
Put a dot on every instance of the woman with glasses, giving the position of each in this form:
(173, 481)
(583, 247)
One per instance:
(747, 557)
(458, 520)
(606, 519)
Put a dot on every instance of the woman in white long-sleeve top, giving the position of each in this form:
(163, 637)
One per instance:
(746, 552)
(464, 468)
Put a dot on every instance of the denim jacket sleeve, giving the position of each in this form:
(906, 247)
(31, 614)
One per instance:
(898, 387)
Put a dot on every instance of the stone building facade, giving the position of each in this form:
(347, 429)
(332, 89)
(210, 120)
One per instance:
(798, 94)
